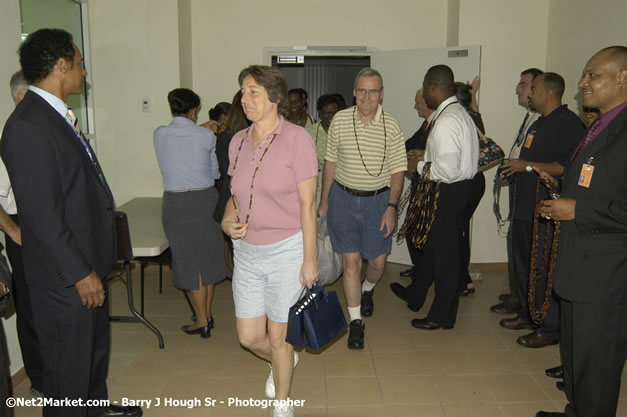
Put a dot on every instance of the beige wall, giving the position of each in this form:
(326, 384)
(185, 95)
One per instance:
(135, 54)
(508, 46)
(229, 36)
(577, 30)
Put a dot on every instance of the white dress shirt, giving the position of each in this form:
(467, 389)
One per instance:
(452, 145)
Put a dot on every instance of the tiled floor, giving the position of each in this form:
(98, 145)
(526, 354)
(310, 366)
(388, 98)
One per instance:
(476, 369)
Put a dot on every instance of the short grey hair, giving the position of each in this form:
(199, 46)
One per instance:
(18, 85)
(368, 72)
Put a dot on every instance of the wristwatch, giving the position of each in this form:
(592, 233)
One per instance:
(529, 167)
(394, 206)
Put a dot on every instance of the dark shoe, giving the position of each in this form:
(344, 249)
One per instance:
(560, 386)
(401, 292)
(36, 392)
(536, 340)
(549, 414)
(408, 272)
(118, 411)
(356, 335)
(505, 297)
(425, 324)
(367, 305)
(504, 308)
(211, 322)
(466, 292)
(557, 372)
(515, 324)
(204, 332)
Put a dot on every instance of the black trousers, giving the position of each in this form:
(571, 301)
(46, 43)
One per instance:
(5, 375)
(594, 348)
(441, 259)
(76, 354)
(478, 189)
(522, 232)
(25, 321)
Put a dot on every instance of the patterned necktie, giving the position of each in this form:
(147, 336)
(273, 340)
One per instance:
(590, 136)
(73, 122)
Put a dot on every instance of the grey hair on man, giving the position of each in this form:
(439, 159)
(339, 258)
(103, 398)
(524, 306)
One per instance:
(368, 72)
(18, 86)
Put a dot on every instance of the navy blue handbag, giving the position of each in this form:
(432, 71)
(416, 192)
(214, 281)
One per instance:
(316, 319)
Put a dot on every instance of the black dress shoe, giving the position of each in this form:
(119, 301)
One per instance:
(204, 332)
(557, 372)
(549, 414)
(504, 297)
(408, 272)
(367, 305)
(425, 324)
(401, 292)
(504, 308)
(515, 324)
(466, 292)
(356, 334)
(118, 411)
(560, 386)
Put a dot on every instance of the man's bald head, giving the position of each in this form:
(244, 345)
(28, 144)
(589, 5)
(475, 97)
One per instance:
(604, 79)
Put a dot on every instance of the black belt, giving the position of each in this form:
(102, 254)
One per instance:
(359, 193)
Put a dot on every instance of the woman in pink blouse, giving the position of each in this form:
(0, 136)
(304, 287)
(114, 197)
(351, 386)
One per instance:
(271, 218)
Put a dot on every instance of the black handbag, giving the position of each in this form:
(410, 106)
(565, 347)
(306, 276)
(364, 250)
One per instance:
(316, 319)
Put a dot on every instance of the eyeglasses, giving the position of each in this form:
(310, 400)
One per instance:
(521, 85)
(363, 92)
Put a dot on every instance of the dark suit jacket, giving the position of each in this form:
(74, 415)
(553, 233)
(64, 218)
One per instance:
(66, 212)
(592, 255)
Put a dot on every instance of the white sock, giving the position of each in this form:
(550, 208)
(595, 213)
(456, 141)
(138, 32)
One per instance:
(367, 285)
(355, 312)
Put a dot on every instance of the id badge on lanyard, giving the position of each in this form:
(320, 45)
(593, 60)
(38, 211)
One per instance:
(587, 170)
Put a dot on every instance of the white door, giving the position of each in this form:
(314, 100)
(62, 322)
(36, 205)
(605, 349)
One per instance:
(403, 72)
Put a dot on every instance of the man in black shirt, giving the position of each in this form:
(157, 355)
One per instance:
(546, 147)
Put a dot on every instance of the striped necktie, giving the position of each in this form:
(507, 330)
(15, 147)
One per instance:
(73, 122)
(593, 132)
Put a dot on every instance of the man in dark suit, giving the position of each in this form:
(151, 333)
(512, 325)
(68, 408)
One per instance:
(66, 213)
(591, 271)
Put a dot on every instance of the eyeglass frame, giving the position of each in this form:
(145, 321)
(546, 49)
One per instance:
(363, 91)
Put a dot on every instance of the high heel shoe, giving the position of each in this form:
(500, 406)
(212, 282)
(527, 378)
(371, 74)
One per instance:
(204, 332)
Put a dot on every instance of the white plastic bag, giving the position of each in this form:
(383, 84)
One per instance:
(329, 262)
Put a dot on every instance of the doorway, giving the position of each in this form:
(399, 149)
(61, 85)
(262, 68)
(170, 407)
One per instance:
(320, 75)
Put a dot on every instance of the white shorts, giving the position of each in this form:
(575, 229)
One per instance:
(266, 278)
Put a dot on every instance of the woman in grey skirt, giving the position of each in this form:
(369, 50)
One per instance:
(187, 159)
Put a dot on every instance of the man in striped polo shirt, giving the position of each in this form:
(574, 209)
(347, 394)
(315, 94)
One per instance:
(362, 181)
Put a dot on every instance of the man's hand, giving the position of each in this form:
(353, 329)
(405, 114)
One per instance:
(388, 221)
(323, 208)
(560, 209)
(548, 180)
(91, 291)
(512, 167)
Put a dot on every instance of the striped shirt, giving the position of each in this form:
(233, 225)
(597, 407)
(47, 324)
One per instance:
(351, 144)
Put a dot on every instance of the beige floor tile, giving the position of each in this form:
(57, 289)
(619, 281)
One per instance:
(245, 365)
(548, 386)
(416, 410)
(310, 365)
(375, 411)
(527, 409)
(537, 360)
(208, 365)
(496, 362)
(357, 363)
(251, 387)
(407, 390)
(158, 363)
(446, 362)
(391, 342)
(514, 388)
(473, 411)
(170, 412)
(353, 391)
(313, 391)
(191, 386)
(128, 342)
(479, 340)
(437, 339)
(239, 412)
(398, 363)
(461, 389)
(137, 387)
